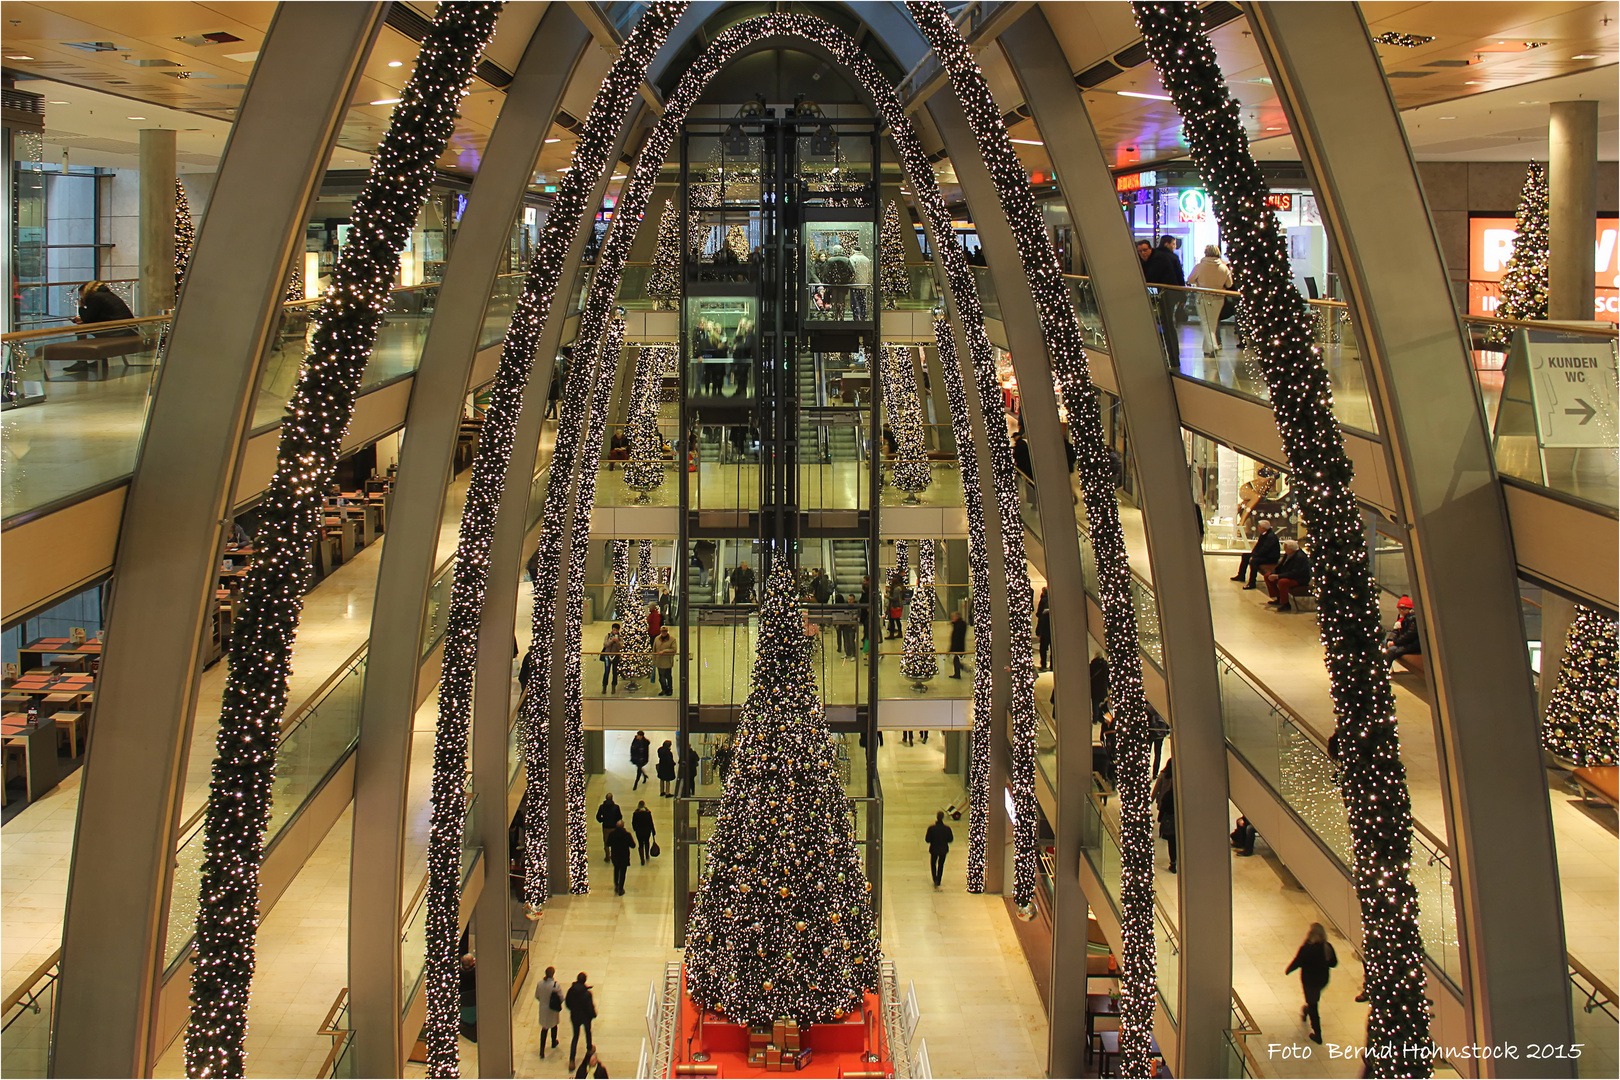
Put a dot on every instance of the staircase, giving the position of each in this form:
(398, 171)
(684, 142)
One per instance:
(848, 567)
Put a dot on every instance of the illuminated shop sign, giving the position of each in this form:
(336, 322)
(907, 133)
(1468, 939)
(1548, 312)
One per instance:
(1136, 181)
(1280, 200)
(1490, 245)
(1192, 205)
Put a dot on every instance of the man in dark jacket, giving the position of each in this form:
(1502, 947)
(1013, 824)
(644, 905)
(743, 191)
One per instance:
(1404, 639)
(1293, 574)
(608, 815)
(1021, 462)
(99, 304)
(959, 632)
(1267, 551)
(1162, 267)
(581, 1011)
(620, 844)
(1164, 794)
(938, 837)
(640, 749)
(642, 823)
(821, 586)
(742, 584)
(1099, 687)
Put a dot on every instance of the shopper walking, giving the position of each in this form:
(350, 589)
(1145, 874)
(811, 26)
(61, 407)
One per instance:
(688, 773)
(1043, 634)
(640, 746)
(1313, 961)
(664, 661)
(666, 769)
(742, 584)
(1210, 273)
(548, 993)
(608, 815)
(641, 822)
(939, 837)
(959, 632)
(619, 845)
(581, 1011)
(1164, 794)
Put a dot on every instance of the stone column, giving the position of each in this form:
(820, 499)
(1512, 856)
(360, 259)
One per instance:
(157, 220)
(1572, 192)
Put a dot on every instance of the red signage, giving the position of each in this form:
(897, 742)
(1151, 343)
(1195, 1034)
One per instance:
(1128, 182)
(1281, 201)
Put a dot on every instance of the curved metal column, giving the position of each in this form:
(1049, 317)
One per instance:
(178, 504)
(410, 555)
(1326, 72)
(1149, 401)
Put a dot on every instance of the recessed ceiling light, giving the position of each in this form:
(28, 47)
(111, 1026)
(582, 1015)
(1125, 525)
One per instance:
(1133, 93)
(58, 103)
(134, 118)
(553, 140)
(1585, 56)
(1473, 82)
(1448, 118)
(1273, 129)
(396, 63)
(1530, 103)
(387, 101)
(20, 56)
(1029, 142)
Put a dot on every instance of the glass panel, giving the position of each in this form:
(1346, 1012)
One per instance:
(29, 1028)
(721, 343)
(839, 275)
(438, 608)
(1235, 492)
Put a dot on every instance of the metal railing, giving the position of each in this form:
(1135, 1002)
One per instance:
(1599, 996)
(336, 1026)
(29, 1035)
(894, 1024)
(668, 1018)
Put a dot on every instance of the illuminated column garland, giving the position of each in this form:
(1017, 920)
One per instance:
(644, 472)
(918, 662)
(635, 657)
(664, 282)
(911, 472)
(1581, 714)
(1064, 342)
(967, 460)
(783, 923)
(895, 282)
(311, 433)
(1524, 285)
(1373, 778)
(579, 858)
(590, 161)
(185, 234)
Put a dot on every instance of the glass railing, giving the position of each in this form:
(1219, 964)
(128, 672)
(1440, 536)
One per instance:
(72, 430)
(313, 742)
(30, 1023)
(438, 607)
(987, 292)
(413, 927)
(1100, 834)
(944, 480)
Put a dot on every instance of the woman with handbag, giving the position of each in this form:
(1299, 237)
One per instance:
(548, 994)
(1210, 273)
(641, 823)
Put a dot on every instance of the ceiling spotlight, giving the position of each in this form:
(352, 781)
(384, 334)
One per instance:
(20, 56)
(396, 63)
(1029, 142)
(58, 103)
(387, 101)
(1152, 97)
(1448, 118)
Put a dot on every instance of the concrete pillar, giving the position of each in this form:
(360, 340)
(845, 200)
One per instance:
(1572, 193)
(157, 220)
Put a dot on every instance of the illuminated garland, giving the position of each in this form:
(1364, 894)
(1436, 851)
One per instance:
(895, 281)
(967, 460)
(1373, 776)
(782, 926)
(911, 472)
(590, 161)
(184, 235)
(1061, 330)
(644, 472)
(318, 413)
(919, 662)
(664, 282)
(579, 856)
(1524, 285)
(1580, 724)
(635, 656)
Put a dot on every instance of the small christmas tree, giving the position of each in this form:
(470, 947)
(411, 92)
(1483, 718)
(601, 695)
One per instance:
(783, 925)
(896, 284)
(904, 416)
(644, 472)
(184, 235)
(295, 280)
(1581, 714)
(635, 647)
(737, 242)
(918, 662)
(664, 282)
(1524, 285)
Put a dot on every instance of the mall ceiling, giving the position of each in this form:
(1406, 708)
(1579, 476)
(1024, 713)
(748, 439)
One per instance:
(1476, 89)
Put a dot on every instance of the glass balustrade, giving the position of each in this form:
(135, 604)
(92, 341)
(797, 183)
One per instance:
(30, 1026)
(438, 608)
(68, 432)
(987, 292)
(1100, 842)
(413, 929)
(312, 745)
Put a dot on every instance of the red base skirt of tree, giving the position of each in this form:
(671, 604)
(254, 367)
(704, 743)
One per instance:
(707, 1044)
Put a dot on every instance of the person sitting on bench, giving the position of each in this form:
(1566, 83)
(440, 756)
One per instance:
(97, 304)
(1293, 575)
(1266, 552)
(1404, 639)
(1243, 837)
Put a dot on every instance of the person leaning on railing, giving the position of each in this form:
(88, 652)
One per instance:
(1210, 273)
(99, 304)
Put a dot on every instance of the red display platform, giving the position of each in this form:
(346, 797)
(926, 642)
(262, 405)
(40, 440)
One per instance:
(837, 1050)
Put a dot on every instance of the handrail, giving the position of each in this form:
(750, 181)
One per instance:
(82, 328)
(16, 996)
(1248, 1025)
(1601, 997)
(327, 1027)
(1163, 914)
(315, 699)
(340, 1036)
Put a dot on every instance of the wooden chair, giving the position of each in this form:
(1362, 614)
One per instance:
(72, 724)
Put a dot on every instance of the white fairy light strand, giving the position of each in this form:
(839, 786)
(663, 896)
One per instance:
(918, 660)
(644, 472)
(911, 472)
(318, 414)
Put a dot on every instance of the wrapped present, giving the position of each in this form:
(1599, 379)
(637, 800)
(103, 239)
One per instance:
(779, 1033)
(801, 1060)
(773, 1058)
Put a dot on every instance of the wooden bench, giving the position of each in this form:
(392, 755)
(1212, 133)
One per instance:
(1413, 662)
(93, 350)
(1603, 781)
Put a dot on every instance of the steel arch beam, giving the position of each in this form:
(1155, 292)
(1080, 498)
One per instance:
(409, 557)
(1154, 422)
(1326, 72)
(174, 520)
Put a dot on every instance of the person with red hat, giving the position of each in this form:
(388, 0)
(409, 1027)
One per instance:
(1404, 639)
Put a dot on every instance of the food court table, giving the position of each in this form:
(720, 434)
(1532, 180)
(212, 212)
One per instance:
(38, 744)
(33, 654)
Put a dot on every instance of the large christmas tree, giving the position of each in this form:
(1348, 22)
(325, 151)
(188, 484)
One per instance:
(664, 282)
(644, 472)
(903, 414)
(783, 925)
(919, 662)
(896, 285)
(635, 647)
(184, 234)
(1580, 724)
(1524, 285)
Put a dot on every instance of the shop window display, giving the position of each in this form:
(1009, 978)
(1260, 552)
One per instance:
(840, 272)
(1234, 492)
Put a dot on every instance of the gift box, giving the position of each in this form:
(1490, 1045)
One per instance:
(773, 1058)
(801, 1060)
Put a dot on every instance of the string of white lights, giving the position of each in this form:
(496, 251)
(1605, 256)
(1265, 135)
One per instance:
(1373, 778)
(644, 472)
(910, 471)
(895, 282)
(318, 413)
(590, 161)
(918, 660)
